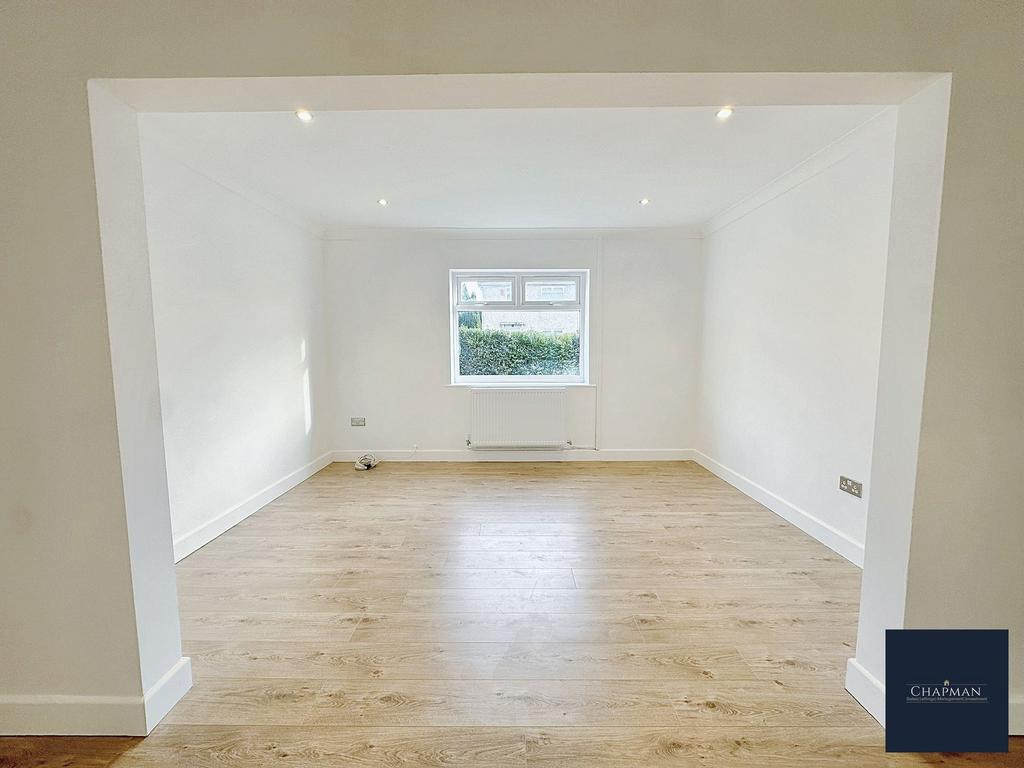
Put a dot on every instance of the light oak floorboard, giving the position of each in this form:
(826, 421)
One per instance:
(511, 616)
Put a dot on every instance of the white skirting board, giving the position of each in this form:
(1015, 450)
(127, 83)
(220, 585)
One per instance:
(63, 715)
(866, 689)
(575, 454)
(870, 692)
(166, 692)
(188, 543)
(832, 538)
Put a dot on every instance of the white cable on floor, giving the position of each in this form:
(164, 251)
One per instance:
(367, 461)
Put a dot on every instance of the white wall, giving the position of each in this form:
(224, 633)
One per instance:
(68, 517)
(237, 296)
(389, 328)
(793, 316)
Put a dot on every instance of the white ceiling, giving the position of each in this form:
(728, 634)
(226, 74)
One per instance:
(505, 168)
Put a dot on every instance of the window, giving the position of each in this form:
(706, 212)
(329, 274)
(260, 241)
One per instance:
(512, 327)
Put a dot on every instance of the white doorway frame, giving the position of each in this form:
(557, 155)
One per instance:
(923, 101)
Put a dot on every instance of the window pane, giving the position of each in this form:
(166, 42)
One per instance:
(515, 343)
(470, 319)
(473, 291)
(551, 290)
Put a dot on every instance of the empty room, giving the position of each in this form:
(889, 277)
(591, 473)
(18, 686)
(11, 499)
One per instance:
(508, 414)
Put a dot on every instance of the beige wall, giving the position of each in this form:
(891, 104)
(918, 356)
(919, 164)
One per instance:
(62, 513)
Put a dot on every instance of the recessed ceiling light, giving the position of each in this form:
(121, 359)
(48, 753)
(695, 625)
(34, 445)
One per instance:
(304, 115)
(724, 113)
(382, 203)
(644, 201)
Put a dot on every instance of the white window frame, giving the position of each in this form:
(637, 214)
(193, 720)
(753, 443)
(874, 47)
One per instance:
(519, 279)
(460, 277)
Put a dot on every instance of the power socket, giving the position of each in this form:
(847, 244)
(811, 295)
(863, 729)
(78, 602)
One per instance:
(851, 487)
(358, 421)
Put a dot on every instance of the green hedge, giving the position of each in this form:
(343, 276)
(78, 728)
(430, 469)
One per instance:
(484, 352)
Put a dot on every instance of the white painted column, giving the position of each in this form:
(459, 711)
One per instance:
(906, 319)
(89, 636)
(165, 675)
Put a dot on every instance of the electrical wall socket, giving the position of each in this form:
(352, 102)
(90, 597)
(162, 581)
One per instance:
(358, 421)
(851, 486)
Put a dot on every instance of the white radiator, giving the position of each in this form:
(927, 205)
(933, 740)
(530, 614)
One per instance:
(517, 418)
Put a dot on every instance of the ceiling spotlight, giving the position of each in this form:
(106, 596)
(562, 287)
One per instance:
(304, 115)
(644, 201)
(724, 113)
(382, 203)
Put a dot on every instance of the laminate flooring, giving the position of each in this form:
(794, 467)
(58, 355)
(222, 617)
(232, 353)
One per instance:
(556, 615)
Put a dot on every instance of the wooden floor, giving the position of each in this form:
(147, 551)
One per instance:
(481, 615)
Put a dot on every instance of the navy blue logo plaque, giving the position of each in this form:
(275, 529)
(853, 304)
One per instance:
(947, 690)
